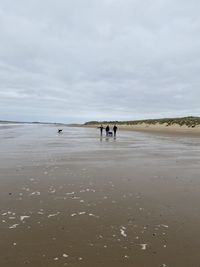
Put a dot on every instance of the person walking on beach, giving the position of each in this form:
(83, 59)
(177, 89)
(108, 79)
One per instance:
(107, 130)
(101, 129)
(115, 130)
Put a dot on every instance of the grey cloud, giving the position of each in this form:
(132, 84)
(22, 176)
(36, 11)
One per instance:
(110, 59)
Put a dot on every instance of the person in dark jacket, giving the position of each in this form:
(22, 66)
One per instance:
(101, 129)
(115, 130)
(107, 130)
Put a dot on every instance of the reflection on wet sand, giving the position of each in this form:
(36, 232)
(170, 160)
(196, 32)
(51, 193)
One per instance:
(70, 200)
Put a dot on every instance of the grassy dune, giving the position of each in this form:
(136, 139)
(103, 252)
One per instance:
(184, 121)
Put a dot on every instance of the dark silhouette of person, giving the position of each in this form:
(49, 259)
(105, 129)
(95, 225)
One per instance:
(115, 130)
(101, 129)
(107, 130)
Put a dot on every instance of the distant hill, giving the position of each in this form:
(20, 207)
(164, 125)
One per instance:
(188, 121)
(1, 121)
(34, 122)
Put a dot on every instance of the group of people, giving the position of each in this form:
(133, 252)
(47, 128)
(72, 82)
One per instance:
(108, 132)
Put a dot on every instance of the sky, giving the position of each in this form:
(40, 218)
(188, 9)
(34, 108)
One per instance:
(82, 60)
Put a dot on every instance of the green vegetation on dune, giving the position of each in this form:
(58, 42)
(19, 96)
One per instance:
(188, 121)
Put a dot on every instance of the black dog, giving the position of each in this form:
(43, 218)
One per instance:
(60, 130)
(110, 134)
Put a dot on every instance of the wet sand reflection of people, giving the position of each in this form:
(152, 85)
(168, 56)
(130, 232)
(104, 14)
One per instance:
(107, 139)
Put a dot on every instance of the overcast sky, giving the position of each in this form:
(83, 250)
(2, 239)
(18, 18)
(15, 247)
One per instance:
(80, 60)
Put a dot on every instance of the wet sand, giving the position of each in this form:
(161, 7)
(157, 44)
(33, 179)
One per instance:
(76, 199)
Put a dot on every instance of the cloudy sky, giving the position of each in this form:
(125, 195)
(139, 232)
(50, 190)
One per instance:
(80, 60)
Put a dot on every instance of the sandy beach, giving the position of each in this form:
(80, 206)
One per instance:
(76, 199)
(157, 128)
(164, 128)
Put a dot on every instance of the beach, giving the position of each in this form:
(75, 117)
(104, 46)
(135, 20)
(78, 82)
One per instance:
(78, 199)
(157, 128)
(164, 128)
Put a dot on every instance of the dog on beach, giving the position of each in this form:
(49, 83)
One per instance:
(110, 134)
(60, 130)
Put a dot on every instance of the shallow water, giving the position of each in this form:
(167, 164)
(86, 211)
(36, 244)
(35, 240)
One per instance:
(75, 199)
